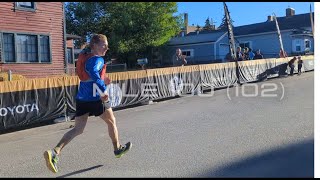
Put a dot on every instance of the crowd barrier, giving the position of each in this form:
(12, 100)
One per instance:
(30, 101)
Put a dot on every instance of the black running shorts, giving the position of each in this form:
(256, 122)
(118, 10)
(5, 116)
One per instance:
(94, 108)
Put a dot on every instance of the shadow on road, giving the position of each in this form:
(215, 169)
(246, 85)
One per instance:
(80, 171)
(295, 160)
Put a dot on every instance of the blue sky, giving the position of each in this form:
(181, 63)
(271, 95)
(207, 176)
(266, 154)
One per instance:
(242, 13)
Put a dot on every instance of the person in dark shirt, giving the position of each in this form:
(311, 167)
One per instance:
(258, 55)
(239, 54)
(179, 59)
(245, 53)
(291, 65)
(300, 62)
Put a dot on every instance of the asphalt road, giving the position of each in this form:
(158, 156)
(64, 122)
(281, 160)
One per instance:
(213, 135)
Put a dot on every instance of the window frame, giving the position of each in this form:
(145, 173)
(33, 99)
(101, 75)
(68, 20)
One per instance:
(297, 43)
(305, 43)
(296, 48)
(24, 8)
(245, 42)
(72, 55)
(49, 48)
(15, 34)
(2, 52)
(191, 51)
(23, 55)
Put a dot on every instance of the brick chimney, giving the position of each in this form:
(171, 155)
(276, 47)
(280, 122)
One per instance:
(290, 12)
(270, 18)
(185, 29)
(186, 20)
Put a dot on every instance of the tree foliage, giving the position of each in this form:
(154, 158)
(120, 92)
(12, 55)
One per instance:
(208, 25)
(224, 23)
(83, 18)
(131, 27)
(198, 27)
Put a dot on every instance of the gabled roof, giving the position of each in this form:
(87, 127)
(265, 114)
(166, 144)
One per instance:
(285, 23)
(206, 32)
(72, 36)
(200, 38)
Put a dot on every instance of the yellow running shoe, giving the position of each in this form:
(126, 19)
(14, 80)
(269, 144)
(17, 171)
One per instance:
(51, 160)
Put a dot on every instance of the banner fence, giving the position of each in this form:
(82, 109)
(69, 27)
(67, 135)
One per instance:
(30, 101)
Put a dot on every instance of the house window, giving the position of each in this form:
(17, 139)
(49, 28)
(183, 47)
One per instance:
(25, 48)
(44, 49)
(297, 46)
(8, 47)
(308, 44)
(245, 44)
(187, 52)
(69, 56)
(26, 5)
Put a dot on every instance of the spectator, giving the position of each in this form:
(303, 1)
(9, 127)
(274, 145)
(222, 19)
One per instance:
(251, 54)
(246, 54)
(282, 53)
(228, 58)
(291, 65)
(239, 54)
(179, 59)
(300, 62)
(258, 55)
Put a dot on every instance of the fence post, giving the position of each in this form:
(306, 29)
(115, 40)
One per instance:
(10, 75)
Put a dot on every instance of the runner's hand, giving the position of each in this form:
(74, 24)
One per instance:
(104, 98)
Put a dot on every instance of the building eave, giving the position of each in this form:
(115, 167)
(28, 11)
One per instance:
(72, 36)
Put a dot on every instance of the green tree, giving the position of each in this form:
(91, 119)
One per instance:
(83, 19)
(208, 26)
(132, 28)
(198, 27)
(224, 24)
